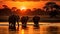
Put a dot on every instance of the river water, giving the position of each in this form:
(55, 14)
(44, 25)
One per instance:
(44, 28)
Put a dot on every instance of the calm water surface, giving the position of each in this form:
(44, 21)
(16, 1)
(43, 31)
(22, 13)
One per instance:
(44, 29)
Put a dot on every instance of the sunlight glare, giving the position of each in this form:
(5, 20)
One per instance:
(22, 31)
(23, 8)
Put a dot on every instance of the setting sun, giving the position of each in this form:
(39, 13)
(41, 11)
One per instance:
(23, 8)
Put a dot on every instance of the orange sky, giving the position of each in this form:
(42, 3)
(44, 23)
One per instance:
(26, 4)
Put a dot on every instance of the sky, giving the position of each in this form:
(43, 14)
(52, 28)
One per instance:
(25, 4)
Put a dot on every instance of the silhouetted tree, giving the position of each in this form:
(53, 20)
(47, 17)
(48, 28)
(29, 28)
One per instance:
(6, 10)
(33, 11)
(18, 12)
(14, 10)
(28, 12)
(38, 11)
(49, 5)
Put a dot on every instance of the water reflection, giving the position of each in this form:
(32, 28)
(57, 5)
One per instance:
(25, 31)
(36, 31)
(13, 32)
(52, 30)
(3, 30)
(44, 29)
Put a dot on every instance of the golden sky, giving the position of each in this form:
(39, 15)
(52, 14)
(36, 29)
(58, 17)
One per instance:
(26, 4)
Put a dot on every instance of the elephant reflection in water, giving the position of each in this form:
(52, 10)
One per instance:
(52, 30)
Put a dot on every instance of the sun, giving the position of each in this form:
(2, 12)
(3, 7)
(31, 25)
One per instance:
(23, 8)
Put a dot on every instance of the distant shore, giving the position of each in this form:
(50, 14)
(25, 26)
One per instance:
(31, 23)
(44, 18)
